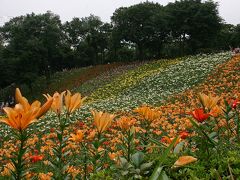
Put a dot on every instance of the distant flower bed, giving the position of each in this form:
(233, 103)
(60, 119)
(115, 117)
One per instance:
(130, 79)
(160, 83)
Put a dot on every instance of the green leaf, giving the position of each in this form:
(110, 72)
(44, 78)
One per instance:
(156, 142)
(156, 173)
(137, 158)
(66, 153)
(146, 166)
(158, 169)
(123, 161)
(178, 148)
(163, 176)
(212, 135)
(203, 132)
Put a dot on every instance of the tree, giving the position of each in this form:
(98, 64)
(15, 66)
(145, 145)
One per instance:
(88, 38)
(33, 43)
(236, 36)
(224, 40)
(141, 24)
(194, 23)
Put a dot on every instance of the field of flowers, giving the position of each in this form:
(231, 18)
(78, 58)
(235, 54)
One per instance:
(176, 119)
(151, 84)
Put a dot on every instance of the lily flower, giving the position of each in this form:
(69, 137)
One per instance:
(125, 123)
(234, 104)
(57, 102)
(24, 114)
(208, 101)
(36, 158)
(184, 160)
(73, 102)
(199, 115)
(78, 137)
(216, 111)
(102, 120)
(148, 114)
(167, 140)
(184, 134)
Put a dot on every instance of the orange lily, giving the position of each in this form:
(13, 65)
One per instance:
(184, 160)
(216, 111)
(8, 168)
(78, 137)
(147, 113)
(168, 140)
(57, 102)
(112, 156)
(73, 102)
(102, 120)
(208, 101)
(184, 134)
(125, 123)
(24, 114)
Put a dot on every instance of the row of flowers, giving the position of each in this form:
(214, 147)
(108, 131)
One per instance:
(106, 77)
(131, 78)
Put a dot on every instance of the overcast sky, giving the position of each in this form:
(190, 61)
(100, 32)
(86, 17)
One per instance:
(67, 9)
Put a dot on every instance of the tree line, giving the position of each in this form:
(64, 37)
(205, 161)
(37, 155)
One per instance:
(36, 45)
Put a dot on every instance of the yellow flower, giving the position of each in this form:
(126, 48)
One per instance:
(24, 114)
(208, 101)
(73, 102)
(102, 120)
(184, 160)
(78, 137)
(57, 102)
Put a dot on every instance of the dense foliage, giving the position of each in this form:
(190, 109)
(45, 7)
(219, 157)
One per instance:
(36, 45)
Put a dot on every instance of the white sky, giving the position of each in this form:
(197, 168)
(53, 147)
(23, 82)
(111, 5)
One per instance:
(67, 9)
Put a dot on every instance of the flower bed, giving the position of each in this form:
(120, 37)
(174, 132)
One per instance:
(188, 136)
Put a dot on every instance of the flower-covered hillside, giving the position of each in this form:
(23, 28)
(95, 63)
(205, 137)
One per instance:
(154, 87)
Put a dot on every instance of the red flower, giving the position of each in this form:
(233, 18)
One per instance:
(35, 151)
(184, 134)
(199, 115)
(106, 143)
(166, 139)
(36, 158)
(52, 130)
(235, 103)
(81, 124)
